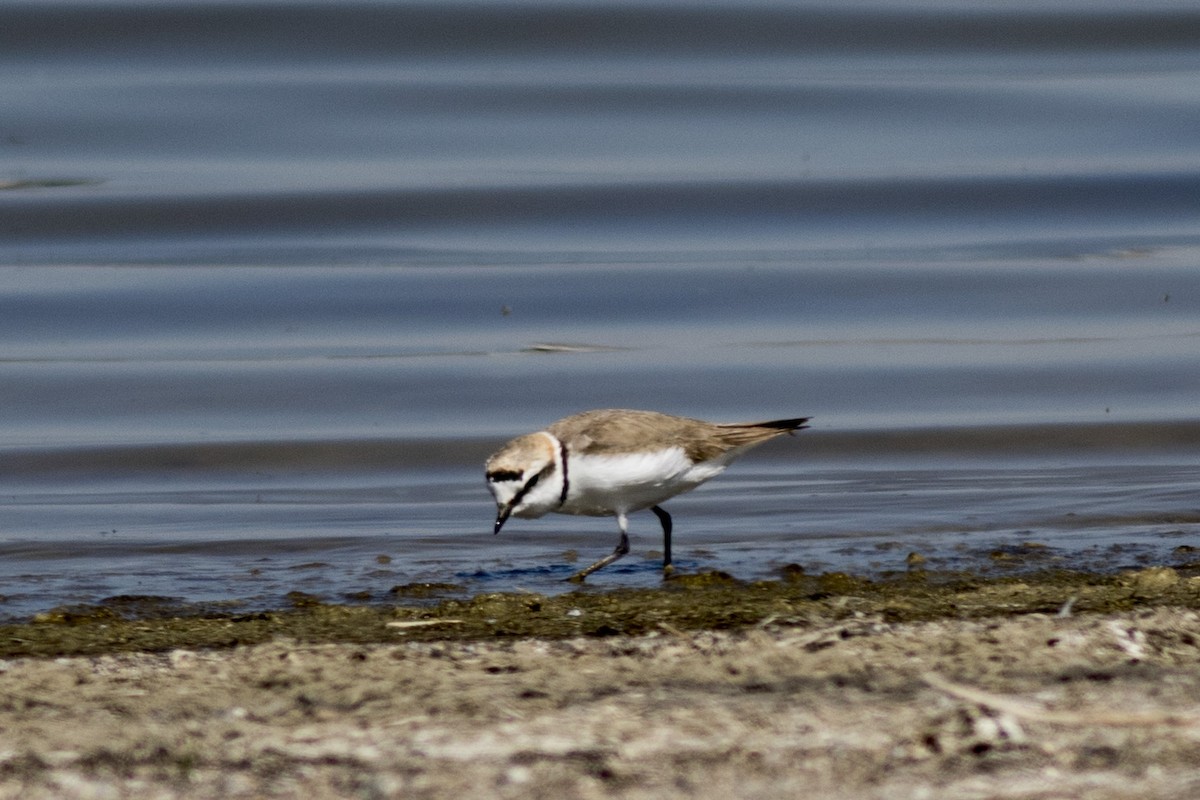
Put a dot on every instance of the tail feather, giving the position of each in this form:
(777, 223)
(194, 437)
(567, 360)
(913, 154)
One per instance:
(751, 433)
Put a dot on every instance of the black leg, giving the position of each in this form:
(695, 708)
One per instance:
(665, 519)
(621, 550)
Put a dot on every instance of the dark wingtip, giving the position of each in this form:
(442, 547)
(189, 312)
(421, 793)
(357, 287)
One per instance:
(789, 425)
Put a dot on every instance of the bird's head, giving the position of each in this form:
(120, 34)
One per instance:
(525, 477)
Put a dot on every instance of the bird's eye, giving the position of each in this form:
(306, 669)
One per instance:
(503, 475)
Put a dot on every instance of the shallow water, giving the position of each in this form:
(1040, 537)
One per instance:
(275, 278)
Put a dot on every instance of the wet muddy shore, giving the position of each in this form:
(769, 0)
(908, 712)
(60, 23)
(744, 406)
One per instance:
(1047, 685)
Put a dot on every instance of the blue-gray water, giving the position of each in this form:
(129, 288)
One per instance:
(276, 277)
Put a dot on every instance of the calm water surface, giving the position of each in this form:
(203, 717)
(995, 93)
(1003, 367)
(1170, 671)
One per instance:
(276, 278)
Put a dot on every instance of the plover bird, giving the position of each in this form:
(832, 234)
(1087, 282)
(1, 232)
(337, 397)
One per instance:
(612, 462)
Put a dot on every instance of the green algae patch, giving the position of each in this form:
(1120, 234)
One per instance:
(707, 601)
(701, 579)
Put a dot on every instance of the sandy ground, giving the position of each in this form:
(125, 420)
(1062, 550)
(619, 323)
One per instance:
(1036, 706)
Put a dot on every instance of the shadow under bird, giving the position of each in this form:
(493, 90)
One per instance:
(612, 462)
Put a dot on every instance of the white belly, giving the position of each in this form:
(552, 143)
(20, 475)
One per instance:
(610, 484)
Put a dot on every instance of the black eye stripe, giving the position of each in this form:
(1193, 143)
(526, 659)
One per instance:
(504, 475)
(524, 490)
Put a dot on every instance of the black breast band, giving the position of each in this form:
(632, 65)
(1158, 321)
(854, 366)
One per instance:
(562, 456)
